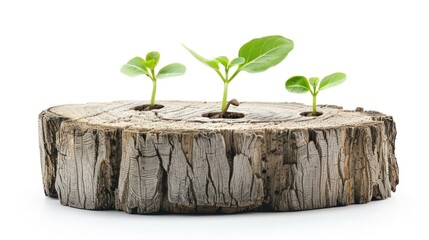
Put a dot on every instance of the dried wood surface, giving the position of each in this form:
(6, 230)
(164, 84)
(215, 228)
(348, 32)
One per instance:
(109, 156)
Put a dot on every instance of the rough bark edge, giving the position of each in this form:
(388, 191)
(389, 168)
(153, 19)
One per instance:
(46, 138)
(87, 166)
(49, 124)
(317, 168)
(390, 129)
(180, 166)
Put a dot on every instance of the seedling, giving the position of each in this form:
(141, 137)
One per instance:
(233, 102)
(255, 56)
(225, 113)
(139, 66)
(300, 84)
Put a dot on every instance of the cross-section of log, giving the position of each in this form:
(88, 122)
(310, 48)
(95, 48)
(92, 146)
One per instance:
(112, 156)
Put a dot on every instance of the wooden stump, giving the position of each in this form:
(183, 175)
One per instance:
(110, 156)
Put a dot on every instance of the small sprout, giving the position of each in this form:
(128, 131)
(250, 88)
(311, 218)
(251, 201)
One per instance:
(225, 113)
(300, 84)
(255, 56)
(233, 102)
(139, 66)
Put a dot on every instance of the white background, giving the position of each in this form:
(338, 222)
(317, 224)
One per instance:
(59, 52)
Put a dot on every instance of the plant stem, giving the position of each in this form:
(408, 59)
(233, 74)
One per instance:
(314, 105)
(152, 100)
(153, 78)
(234, 74)
(225, 95)
(221, 76)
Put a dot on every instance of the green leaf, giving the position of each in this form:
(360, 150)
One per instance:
(171, 70)
(211, 63)
(297, 84)
(134, 67)
(263, 53)
(153, 56)
(236, 61)
(332, 80)
(223, 60)
(149, 64)
(313, 82)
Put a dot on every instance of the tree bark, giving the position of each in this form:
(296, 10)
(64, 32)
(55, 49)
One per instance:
(110, 156)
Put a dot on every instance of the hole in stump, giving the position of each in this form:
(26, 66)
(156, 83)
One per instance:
(228, 115)
(310, 114)
(146, 107)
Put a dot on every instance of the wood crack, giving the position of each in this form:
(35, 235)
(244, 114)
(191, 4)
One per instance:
(106, 156)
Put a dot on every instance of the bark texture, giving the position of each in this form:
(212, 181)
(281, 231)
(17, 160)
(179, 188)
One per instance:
(110, 156)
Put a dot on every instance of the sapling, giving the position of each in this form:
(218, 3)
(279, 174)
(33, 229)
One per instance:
(257, 55)
(139, 66)
(300, 84)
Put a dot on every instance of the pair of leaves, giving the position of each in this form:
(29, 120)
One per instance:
(257, 55)
(229, 64)
(214, 63)
(138, 66)
(300, 84)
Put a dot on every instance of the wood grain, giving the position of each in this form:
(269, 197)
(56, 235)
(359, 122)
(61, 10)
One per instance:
(109, 156)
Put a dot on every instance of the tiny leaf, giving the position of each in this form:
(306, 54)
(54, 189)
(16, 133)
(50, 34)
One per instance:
(297, 84)
(149, 64)
(236, 61)
(211, 63)
(171, 70)
(313, 82)
(153, 56)
(263, 53)
(223, 60)
(134, 67)
(332, 80)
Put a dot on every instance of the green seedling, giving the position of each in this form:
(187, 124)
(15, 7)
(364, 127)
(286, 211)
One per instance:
(300, 84)
(139, 66)
(255, 56)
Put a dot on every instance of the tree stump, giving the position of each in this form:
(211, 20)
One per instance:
(112, 156)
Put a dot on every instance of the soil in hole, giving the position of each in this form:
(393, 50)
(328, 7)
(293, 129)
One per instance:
(146, 107)
(228, 115)
(310, 114)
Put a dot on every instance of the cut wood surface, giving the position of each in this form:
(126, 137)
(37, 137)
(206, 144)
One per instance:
(110, 156)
